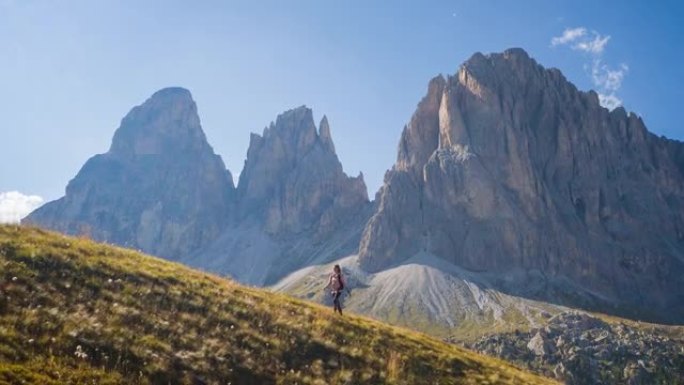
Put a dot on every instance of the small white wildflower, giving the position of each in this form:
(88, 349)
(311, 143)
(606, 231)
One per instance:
(109, 280)
(232, 327)
(31, 341)
(14, 278)
(79, 353)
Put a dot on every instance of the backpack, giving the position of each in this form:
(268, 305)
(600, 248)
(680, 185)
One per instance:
(337, 285)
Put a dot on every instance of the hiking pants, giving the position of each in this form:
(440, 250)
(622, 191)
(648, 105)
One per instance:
(336, 299)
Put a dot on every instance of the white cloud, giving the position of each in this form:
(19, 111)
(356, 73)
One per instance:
(568, 36)
(610, 101)
(595, 45)
(606, 80)
(14, 206)
(581, 40)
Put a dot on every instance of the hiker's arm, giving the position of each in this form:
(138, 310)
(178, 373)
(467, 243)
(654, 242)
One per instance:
(329, 282)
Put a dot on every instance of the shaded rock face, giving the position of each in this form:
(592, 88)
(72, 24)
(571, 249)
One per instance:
(159, 188)
(506, 165)
(293, 181)
(294, 205)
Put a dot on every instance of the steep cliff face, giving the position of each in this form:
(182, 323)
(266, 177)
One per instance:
(159, 188)
(295, 205)
(293, 181)
(506, 165)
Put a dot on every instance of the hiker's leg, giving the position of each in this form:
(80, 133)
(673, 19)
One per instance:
(336, 300)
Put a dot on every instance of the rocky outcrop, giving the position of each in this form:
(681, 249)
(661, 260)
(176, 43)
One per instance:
(579, 349)
(159, 188)
(293, 181)
(507, 166)
(294, 205)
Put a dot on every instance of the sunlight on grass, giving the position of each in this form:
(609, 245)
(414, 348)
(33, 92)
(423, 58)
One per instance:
(74, 311)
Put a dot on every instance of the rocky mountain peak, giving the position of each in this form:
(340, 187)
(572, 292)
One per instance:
(160, 188)
(296, 129)
(511, 167)
(292, 174)
(294, 204)
(283, 146)
(166, 123)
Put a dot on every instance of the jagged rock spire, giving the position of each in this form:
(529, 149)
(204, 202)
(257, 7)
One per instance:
(292, 175)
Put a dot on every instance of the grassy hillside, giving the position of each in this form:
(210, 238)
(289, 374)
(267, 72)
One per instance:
(73, 311)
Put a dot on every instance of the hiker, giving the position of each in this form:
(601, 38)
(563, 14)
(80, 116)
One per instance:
(336, 282)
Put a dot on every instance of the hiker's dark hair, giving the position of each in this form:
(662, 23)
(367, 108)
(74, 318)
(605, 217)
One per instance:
(337, 267)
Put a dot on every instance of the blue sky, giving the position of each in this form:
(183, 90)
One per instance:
(70, 70)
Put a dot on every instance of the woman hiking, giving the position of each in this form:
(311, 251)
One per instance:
(336, 282)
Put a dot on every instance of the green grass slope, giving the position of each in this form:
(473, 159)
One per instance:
(76, 312)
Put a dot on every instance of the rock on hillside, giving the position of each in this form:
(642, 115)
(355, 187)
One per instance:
(506, 165)
(295, 205)
(582, 350)
(160, 187)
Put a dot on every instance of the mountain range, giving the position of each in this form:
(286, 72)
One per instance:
(515, 201)
(506, 174)
(515, 197)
